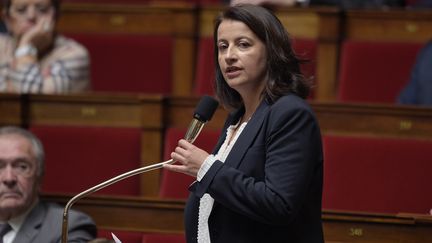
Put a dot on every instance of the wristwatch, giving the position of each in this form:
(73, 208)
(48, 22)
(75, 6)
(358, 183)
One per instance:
(26, 50)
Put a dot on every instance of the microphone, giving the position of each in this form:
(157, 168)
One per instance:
(202, 114)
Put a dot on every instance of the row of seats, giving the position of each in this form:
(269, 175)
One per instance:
(372, 72)
(361, 173)
(141, 237)
(375, 72)
(368, 71)
(367, 174)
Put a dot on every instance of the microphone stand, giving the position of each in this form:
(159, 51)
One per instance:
(194, 129)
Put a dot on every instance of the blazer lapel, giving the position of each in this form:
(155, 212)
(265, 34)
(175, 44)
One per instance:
(231, 119)
(31, 225)
(247, 136)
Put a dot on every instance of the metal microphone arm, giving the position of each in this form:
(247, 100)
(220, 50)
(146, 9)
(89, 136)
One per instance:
(195, 128)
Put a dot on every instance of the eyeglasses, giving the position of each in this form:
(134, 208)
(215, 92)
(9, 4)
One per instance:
(19, 167)
(37, 9)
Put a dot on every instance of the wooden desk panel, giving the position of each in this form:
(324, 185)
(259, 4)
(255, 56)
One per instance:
(394, 25)
(374, 120)
(376, 228)
(95, 110)
(334, 118)
(11, 109)
(153, 215)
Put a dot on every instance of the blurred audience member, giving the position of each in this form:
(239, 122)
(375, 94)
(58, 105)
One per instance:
(418, 91)
(359, 4)
(285, 3)
(345, 4)
(34, 58)
(419, 4)
(2, 27)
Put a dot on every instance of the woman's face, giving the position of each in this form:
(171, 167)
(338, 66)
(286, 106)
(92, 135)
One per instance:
(242, 56)
(24, 14)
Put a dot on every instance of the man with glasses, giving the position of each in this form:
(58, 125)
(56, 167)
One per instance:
(23, 216)
(34, 58)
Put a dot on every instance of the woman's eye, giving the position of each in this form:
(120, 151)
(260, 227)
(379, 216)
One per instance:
(244, 44)
(222, 46)
(43, 9)
(21, 10)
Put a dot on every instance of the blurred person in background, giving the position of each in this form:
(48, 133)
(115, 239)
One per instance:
(34, 58)
(418, 90)
(344, 4)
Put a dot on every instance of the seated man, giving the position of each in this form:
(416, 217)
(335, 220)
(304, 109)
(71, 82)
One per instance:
(418, 91)
(34, 58)
(29, 219)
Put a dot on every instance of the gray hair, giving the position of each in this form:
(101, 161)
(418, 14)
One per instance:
(34, 141)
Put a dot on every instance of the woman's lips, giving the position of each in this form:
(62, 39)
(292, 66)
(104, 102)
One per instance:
(232, 72)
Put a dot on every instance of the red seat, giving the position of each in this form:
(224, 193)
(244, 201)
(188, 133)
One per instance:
(306, 49)
(164, 238)
(123, 235)
(129, 63)
(205, 75)
(78, 158)
(374, 71)
(385, 175)
(175, 185)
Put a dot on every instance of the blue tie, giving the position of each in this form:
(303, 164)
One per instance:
(4, 228)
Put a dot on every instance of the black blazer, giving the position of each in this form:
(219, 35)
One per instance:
(269, 188)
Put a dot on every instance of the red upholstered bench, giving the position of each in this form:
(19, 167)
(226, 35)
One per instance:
(123, 235)
(142, 237)
(385, 175)
(205, 75)
(306, 49)
(374, 71)
(129, 63)
(78, 158)
(175, 185)
(163, 238)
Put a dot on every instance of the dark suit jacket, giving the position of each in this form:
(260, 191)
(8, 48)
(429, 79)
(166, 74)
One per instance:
(44, 225)
(419, 89)
(269, 188)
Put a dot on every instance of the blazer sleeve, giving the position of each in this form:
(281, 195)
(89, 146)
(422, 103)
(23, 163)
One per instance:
(81, 227)
(292, 167)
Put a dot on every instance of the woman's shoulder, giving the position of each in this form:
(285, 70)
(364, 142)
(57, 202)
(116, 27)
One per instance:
(5, 40)
(63, 43)
(290, 102)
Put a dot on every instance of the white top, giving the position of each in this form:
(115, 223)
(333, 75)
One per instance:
(206, 202)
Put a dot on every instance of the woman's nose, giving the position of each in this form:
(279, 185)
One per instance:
(31, 13)
(230, 54)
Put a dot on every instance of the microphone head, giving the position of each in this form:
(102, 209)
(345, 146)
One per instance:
(206, 108)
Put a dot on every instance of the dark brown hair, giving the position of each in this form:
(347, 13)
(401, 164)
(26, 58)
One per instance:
(55, 3)
(283, 66)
